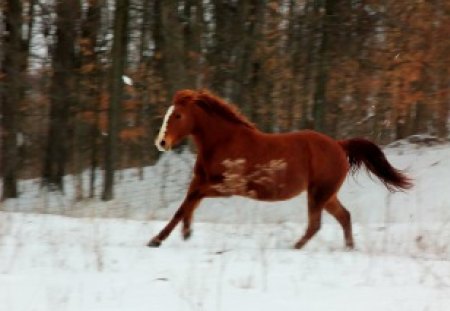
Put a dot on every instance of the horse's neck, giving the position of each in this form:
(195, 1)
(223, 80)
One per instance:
(217, 134)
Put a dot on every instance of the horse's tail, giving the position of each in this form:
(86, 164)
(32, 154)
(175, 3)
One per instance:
(362, 151)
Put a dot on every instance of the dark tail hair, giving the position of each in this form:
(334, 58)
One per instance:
(362, 151)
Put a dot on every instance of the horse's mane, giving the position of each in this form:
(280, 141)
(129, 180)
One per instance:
(214, 104)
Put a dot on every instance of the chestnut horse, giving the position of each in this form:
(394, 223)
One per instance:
(235, 158)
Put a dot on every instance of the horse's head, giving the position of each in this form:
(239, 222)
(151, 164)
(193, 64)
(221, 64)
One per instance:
(178, 121)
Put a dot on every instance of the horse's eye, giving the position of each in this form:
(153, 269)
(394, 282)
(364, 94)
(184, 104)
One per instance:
(177, 116)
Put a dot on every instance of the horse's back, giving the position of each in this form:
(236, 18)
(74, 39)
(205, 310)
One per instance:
(306, 142)
(322, 154)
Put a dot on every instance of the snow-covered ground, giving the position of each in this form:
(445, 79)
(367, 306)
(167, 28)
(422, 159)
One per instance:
(58, 263)
(57, 254)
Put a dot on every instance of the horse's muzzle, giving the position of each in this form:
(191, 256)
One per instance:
(162, 145)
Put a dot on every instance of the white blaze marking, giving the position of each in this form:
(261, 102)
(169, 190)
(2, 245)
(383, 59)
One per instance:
(162, 131)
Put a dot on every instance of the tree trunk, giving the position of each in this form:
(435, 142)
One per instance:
(62, 90)
(116, 90)
(310, 27)
(249, 28)
(169, 45)
(12, 70)
(320, 98)
(226, 18)
(329, 42)
(91, 83)
(193, 14)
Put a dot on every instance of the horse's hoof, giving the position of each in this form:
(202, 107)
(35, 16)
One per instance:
(187, 234)
(298, 245)
(155, 242)
(349, 248)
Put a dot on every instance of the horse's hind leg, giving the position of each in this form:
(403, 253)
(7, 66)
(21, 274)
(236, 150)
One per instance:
(342, 215)
(315, 206)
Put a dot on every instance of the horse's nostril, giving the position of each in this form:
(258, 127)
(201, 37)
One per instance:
(162, 143)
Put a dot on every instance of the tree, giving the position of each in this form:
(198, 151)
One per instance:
(11, 78)
(91, 81)
(63, 93)
(332, 21)
(118, 55)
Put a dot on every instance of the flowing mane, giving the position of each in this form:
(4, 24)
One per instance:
(213, 104)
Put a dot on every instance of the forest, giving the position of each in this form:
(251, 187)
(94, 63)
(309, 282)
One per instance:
(84, 84)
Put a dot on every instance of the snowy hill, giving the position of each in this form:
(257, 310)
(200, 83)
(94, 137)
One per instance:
(240, 255)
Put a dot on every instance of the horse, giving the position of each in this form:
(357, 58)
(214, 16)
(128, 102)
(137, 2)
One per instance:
(235, 158)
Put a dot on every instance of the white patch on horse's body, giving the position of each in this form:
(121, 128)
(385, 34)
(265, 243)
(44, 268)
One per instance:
(268, 177)
(162, 131)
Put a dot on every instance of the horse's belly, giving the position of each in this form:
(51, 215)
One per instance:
(276, 191)
(263, 189)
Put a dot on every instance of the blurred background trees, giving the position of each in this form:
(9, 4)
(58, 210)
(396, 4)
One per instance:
(84, 83)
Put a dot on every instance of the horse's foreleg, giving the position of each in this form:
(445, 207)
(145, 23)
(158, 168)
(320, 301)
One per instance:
(342, 215)
(189, 203)
(187, 220)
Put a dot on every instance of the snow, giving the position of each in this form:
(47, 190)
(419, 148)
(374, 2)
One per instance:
(127, 80)
(58, 254)
(52, 262)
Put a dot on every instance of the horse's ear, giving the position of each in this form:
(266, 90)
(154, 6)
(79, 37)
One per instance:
(184, 96)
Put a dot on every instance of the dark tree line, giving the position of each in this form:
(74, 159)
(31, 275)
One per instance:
(84, 83)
